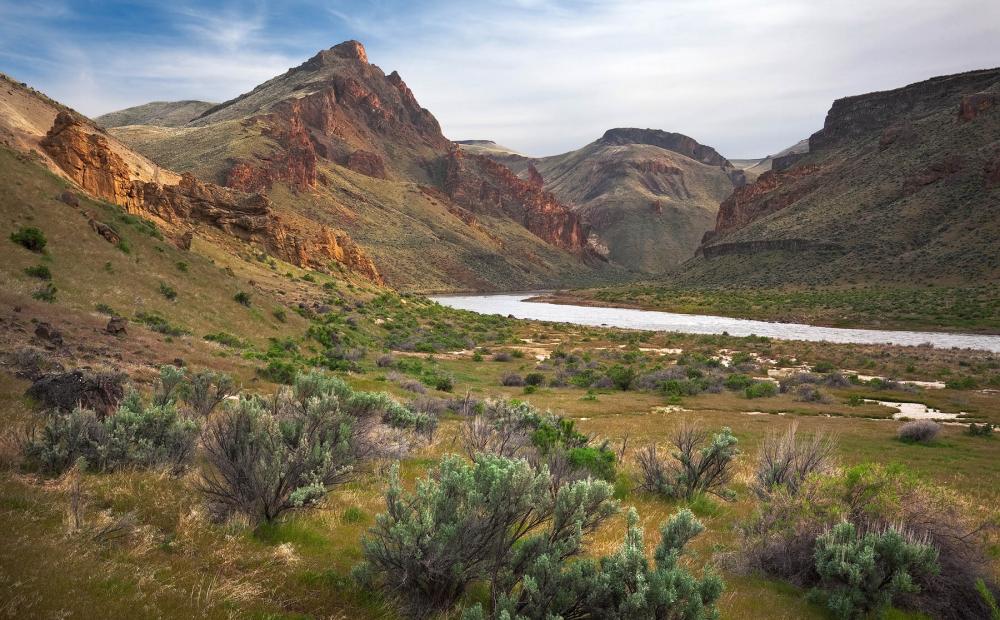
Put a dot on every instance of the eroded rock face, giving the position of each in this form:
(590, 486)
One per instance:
(772, 191)
(859, 115)
(479, 183)
(975, 104)
(366, 163)
(86, 157)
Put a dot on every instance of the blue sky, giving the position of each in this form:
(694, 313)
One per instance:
(540, 76)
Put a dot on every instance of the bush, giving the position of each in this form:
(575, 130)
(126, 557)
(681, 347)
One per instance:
(779, 541)
(385, 361)
(279, 371)
(168, 291)
(511, 428)
(99, 391)
(205, 390)
(41, 272)
(265, 457)
(621, 376)
(46, 293)
(808, 394)
(159, 324)
(737, 382)
(512, 379)
(137, 435)
(534, 378)
(502, 356)
(823, 367)
(860, 574)
(918, 431)
(760, 389)
(696, 467)
(242, 298)
(30, 238)
(493, 520)
(622, 586)
(786, 461)
(445, 383)
(980, 430)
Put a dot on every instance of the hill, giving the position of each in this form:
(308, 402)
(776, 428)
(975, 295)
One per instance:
(647, 195)
(160, 113)
(899, 186)
(338, 142)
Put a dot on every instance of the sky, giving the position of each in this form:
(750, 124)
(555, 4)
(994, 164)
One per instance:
(539, 76)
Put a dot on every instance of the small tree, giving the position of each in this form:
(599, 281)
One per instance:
(860, 574)
(487, 520)
(698, 466)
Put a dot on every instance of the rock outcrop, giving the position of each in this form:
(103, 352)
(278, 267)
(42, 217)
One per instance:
(87, 157)
(676, 142)
(482, 185)
(772, 191)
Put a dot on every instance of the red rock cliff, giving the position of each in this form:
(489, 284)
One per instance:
(87, 157)
(481, 184)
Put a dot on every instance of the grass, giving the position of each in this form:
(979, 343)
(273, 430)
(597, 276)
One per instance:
(179, 564)
(934, 308)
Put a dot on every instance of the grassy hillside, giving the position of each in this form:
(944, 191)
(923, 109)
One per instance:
(159, 113)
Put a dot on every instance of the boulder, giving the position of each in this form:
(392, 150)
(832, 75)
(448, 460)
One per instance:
(117, 326)
(48, 333)
(100, 391)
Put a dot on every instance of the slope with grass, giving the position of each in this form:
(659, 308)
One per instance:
(647, 195)
(158, 113)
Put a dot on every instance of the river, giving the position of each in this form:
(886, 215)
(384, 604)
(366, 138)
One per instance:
(515, 304)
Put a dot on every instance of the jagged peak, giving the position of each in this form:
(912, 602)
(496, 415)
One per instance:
(348, 50)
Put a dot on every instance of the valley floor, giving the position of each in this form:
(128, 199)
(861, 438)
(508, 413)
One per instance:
(968, 309)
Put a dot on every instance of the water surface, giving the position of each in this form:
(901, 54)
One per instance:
(515, 305)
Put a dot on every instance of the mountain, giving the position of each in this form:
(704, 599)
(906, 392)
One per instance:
(753, 168)
(898, 186)
(647, 195)
(338, 142)
(159, 113)
(74, 148)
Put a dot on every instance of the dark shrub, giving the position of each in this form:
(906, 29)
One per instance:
(30, 238)
(502, 356)
(385, 361)
(242, 298)
(808, 394)
(980, 430)
(760, 389)
(655, 380)
(445, 383)
(46, 293)
(41, 272)
(168, 291)
(512, 379)
(99, 391)
(918, 431)
(534, 378)
(738, 382)
(823, 367)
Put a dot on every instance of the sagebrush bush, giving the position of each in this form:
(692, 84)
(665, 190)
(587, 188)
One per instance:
(862, 573)
(138, 434)
(779, 540)
(699, 464)
(918, 431)
(491, 520)
(760, 389)
(267, 456)
(511, 379)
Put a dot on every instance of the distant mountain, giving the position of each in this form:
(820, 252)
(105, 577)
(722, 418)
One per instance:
(753, 168)
(647, 195)
(338, 142)
(901, 185)
(160, 113)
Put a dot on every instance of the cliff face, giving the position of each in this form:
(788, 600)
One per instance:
(480, 184)
(87, 157)
(647, 196)
(904, 182)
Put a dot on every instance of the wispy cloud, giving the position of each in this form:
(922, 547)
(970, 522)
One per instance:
(538, 75)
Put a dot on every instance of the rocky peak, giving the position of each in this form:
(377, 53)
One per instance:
(676, 142)
(348, 50)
